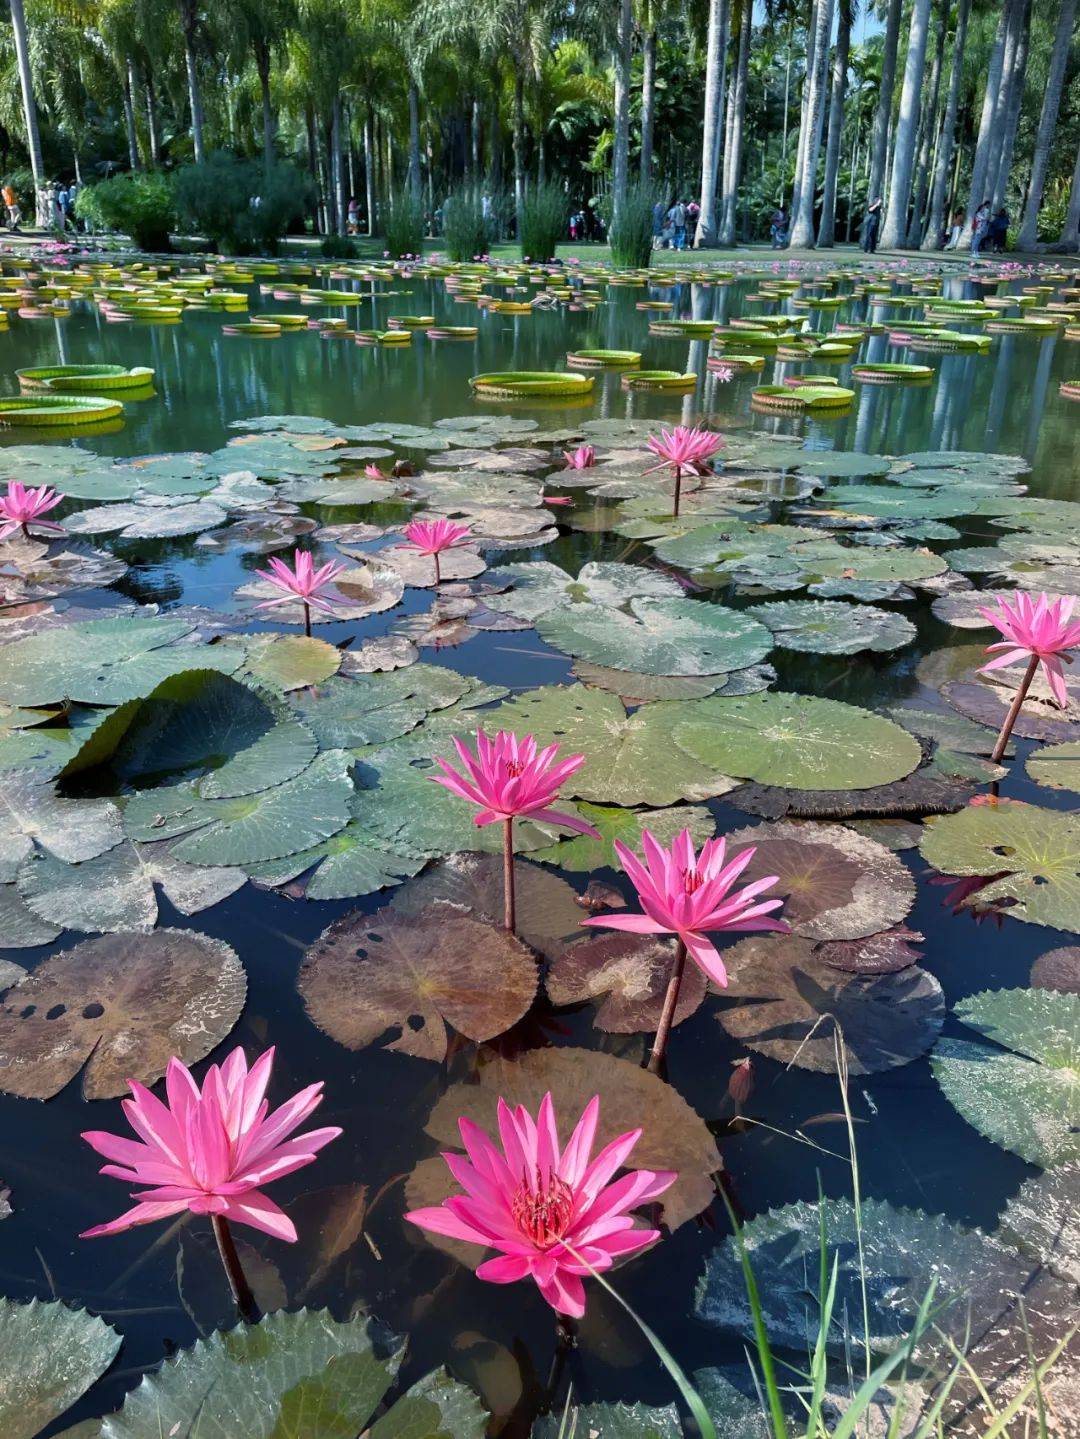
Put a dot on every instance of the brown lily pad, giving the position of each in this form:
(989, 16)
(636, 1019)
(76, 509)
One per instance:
(836, 884)
(884, 953)
(1039, 718)
(547, 910)
(673, 1136)
(121, 1005)
(793, 1003)
(927, 791)
(379, 655)
(413, 975)
(1058, 969)
(418, 570)
(628, 974)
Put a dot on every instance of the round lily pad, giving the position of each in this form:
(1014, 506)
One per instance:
(662, 637)
(1058, 969)
(290, 662)
(876, 954)
(1057, 766)
(414, 974)
(583, 854)
(535, 589)
(830, 627)
(793, 1005)
(797, 741)
(628, 974)
(121, 1005)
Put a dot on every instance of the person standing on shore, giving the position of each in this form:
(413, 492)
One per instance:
(871, 227)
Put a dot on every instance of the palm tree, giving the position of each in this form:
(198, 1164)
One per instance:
(928, 129)
(263, 26)
(827, 227)
(991, 95)
(894, 230)
(1055, 85)
(935, 222)
(190, 22)
(30, 114)
(716, 54)
(803, 196)
(736, 120)
(1013, 93)
(1070, 231)
(880, 142)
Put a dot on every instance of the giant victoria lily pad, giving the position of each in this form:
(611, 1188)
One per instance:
(1030, 855)
(121, 1005)
(796, 741)
(663, 637)
(1025, 1093)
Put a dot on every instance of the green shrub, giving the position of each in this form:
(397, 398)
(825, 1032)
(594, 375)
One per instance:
(142, 206)
(543, 221)
(238, 205)
(403, 224)
(464, 228)
(339, 247)
(630, 237)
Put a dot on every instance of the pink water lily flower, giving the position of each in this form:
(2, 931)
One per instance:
(432, 537)
(509, 778)
(723, 373)
(1039, 630)
(583, 458)
(691, 895)
(552, 1213)
(211, 1150)
(372, 472)
(20, 507)
(302, 581)
(684, 450)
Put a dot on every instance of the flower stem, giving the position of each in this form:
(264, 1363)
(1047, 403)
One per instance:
(234, 1272)
(678, 490)
(1014, 710)
(307, 619)
(509, 913)
(671, 999)
(438, 571)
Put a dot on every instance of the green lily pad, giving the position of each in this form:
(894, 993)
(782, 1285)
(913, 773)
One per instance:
(1057, 766)
(373, 708)
(582, 854)
(103, 662)
(1031, 856)
(664, 637)
(49, 1357)
(1043, 1219)
(33, 816)
(796, 741)
(538, 588)
(638, 689)
(349, 864)
(162, 519)
(290, 662)
(121, 1005)
(1024, 1095)
(20, 927)
(830, 627)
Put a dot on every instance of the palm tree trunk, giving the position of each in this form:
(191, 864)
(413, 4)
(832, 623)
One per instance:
(474, 139)
(827, 227)
(269, 128)
(1012, 109)
(927, 134)
(414, 140)
(648, 101)
(802, 219)
(1016, 10)
(519, 147)
(804, 100)
(620, 152)
(1070, 232)
(708, 222)
(337, 166)
(733, 159)
(128, 87)
(369, 173)
(894, 231)
(1055, 85)
(935, 222)
(981, 161)
(30, 116)
(787, 109)
(883, 114)
(153, 139)
(189, 21)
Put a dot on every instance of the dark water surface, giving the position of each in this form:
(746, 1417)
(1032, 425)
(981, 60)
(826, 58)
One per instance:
(160, 1286)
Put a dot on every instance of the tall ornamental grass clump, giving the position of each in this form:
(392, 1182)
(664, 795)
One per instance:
(403, 224)
(543, 221)
(239, 205)
(465, 230)
(630, 235)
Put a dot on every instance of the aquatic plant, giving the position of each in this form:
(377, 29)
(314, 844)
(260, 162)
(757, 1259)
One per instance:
(509, 778)
(302, 581)
(689, 894)
(583, 458)
(431, 537)
(543, 220)
(554, 1215)
(684, 450)
(21, 507)
(1039, 630)
(210, 1151)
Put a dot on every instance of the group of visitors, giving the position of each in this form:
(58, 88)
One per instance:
(989, 231)
(674, 226)
(779, 224)
(60, 201)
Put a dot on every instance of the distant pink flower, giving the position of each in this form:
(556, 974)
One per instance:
(21, 507)
(551, 1213)
(723, 373)
(509, 778)
(583, 458)
(210, 1151)
(431, 537)
(684, 451)
(302, 581)
(557, 500)
(1035, 628)
(372, 472)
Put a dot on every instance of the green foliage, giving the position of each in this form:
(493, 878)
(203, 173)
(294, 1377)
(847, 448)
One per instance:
(143, 206)
(238, 205)
(543, 221)
(403, 223)
(464, 228)
(339, 247)
(630, 235)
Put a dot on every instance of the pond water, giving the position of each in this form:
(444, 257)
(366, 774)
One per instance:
(159, 1285)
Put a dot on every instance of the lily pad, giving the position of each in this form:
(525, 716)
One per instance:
(883, 953)
(830, 627)
(583, 854)
(349, 864)
(1030, 855)
(121, 1005)
(33, 816)
(663, 637)
(1024, 1095)
(634, 688)
(1057, 766)
(418, 570)
(786, 989)
(366, 589)
(372, 708)
(290, 662)
(538, 588)
(49, 1357)
(1058, 969)
(20, 928)
(1043, 1220)
(628, 974)
(380, 654)
(673, 1135)
(797, 741)
(414, 975)
(836, 883)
